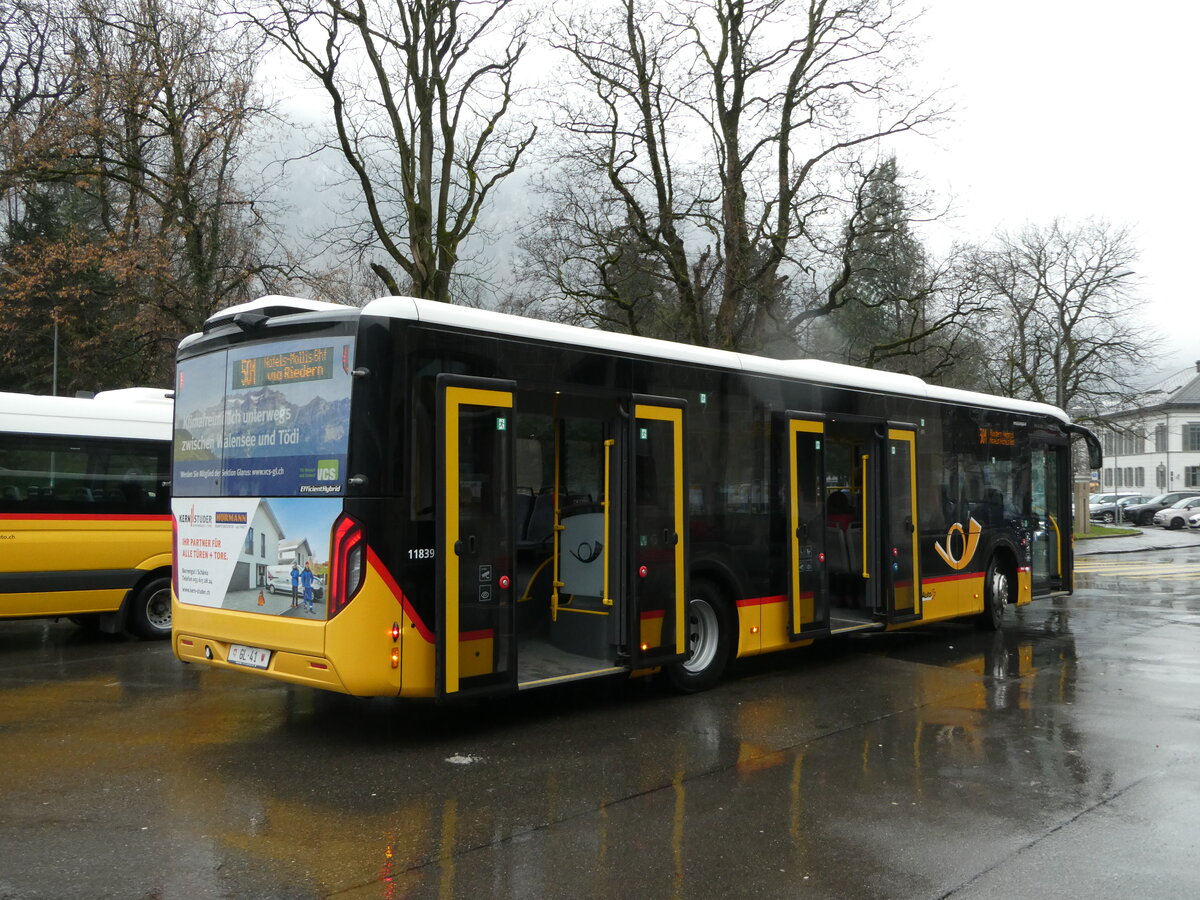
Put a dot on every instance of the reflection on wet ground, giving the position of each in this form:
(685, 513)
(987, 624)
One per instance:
(937, 762)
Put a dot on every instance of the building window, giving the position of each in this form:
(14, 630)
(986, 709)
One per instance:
(1160, 476)
(1108, 477)
(1160, 439)
(1191, 438)
(249, 548)
(1191, 476)
(1139, 475)
(1108, 443)
(262, 544)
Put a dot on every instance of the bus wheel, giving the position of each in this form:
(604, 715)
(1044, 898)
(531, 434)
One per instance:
(150, 610)
(709, 635)
(997, 587)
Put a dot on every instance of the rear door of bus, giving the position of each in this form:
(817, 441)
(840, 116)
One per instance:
(476, 612)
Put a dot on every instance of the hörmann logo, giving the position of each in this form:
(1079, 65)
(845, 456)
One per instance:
(190, 518)
(231, 518)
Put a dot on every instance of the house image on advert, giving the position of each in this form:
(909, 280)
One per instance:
(260, 550)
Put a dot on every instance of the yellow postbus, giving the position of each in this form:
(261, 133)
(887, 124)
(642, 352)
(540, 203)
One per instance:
(85, 523)
(423, 500)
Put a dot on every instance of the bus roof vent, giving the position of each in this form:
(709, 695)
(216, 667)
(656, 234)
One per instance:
(258, 312)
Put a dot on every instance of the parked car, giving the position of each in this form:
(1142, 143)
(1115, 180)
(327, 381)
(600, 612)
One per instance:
(1194, 522)
(1177, 516)
(1107, 511)
(1098, 499)
(279, 581)
(1143, 513)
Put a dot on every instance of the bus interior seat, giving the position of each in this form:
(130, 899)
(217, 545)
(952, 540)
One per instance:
(854, 537)
(83, 494)
(837, 561)
(541, 520)
(11, 492)
(523, 508)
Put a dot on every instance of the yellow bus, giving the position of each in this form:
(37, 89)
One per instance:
(85, 519)
(421, 500)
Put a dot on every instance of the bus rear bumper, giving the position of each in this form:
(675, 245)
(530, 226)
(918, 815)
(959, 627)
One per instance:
(295, 668)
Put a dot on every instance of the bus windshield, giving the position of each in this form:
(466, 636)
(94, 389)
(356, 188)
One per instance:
(264, 420)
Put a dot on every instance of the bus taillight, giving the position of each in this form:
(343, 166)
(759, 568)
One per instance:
(346, 563)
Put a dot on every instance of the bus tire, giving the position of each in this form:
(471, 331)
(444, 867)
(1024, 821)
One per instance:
(997, 590)
(149, 613)
(709, 625)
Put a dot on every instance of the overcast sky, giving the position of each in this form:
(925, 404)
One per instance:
(1069, 108)
(1075, 108)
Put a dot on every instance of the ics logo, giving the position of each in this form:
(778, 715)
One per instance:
(327, 470)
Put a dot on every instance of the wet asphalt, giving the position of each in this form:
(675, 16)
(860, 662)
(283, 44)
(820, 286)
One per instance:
(1059, 757)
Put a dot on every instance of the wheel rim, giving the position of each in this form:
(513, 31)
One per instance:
(999, 590)
(703, 634)
(1107, 517)
(158, 610)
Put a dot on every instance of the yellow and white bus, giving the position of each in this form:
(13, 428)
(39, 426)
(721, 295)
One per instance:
(467, 502)
(85, 523)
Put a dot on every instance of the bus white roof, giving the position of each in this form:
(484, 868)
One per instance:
(135, 413)
(812, 370)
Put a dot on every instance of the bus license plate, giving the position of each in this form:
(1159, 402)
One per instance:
(254, 657)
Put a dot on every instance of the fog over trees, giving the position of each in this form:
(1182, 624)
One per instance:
(724, 173)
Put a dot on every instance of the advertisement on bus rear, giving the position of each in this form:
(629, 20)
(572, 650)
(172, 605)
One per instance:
(255, 555)
(264, 420)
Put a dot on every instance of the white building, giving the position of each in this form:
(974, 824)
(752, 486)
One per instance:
(295, 551)
(1154, 446)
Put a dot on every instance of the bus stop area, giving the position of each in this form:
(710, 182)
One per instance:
(1058, 757)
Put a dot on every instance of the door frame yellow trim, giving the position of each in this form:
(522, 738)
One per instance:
(795, 427)
(674, 415)
(909, 437)
(455, 398)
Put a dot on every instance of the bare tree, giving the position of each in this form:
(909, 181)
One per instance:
(1065, 332)
(421, 95)
(131, 217)
(171, 104)
(39, 79)
(719, 126)
(901, 308)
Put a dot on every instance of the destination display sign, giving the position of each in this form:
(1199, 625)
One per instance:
(309, 364)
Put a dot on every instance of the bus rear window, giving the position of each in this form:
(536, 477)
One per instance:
(264, 420)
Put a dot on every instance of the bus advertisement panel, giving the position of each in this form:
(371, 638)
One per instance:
(260, 461)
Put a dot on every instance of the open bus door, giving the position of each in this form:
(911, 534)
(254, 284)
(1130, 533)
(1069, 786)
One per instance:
(476, 612)
(658, 531)
(854, 509)
(812, 551)
(1050, 465)
(901, 563)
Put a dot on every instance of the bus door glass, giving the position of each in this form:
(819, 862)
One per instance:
(900, 562)
(658, 531)
(1050, 542)
(476, 612)
(853, 513)
(810, 556)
